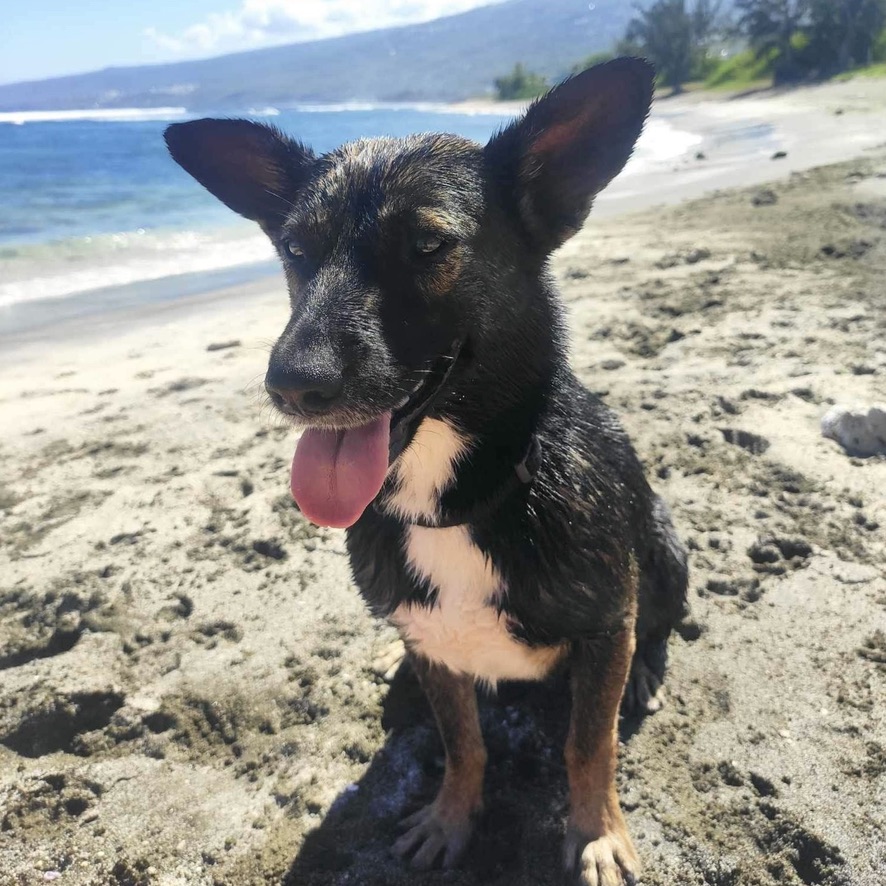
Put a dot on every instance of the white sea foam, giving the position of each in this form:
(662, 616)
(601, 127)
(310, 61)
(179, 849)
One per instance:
(119, 259)
(67, 268)
(340, 107)
(111, 115)
(481, 109)
(660, 142)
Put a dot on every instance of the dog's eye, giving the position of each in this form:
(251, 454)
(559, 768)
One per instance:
(293, 250)
(428, 244)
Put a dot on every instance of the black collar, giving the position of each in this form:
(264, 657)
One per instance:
(522, 474)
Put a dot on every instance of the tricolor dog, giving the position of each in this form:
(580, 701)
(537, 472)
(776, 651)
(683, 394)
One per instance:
(495, 510)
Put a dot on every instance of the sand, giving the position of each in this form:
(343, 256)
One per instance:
(190, 691)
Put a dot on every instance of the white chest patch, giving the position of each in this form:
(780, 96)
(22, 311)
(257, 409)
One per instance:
(464, 630)
(426, 469)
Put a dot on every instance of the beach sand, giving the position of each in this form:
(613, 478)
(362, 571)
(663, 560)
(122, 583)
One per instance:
(191, 690)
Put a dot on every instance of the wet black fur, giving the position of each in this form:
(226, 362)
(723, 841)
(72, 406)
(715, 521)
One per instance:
(369, 314)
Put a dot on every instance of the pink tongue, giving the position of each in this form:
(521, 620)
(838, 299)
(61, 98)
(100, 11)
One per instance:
(336, 474)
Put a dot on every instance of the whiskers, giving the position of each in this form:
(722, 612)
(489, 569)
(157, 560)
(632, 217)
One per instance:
(290, 204)
(401, 390)
(270, 418)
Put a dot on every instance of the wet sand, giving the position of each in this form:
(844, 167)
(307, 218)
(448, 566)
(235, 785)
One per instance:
(189, 684)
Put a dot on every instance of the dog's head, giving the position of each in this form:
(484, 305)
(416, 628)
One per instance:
(407, 259)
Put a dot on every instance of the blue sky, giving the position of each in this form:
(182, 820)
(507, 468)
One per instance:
(47, 38)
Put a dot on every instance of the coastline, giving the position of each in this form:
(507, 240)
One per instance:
(737, 138)
(864, 94)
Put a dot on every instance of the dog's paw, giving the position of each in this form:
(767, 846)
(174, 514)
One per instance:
(608, 860)
(432, 832)
(644, 693)
(388, 659)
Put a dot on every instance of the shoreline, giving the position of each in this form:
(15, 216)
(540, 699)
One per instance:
(739, 137)
(134, 304)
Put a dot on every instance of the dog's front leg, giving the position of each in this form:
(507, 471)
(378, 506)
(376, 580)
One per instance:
(445, 825)
(598, 849)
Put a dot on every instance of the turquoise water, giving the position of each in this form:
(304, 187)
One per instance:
(73, 178)
(95, 215)
(89, 204)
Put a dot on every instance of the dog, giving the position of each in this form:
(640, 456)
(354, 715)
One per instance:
(496, 512)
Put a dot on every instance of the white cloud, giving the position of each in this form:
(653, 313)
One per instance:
(264, 22)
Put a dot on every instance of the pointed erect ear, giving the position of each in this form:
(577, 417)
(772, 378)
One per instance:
(252, 168)
(570, 144)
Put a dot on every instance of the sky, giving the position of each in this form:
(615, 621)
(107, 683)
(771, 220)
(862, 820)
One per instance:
(48, 38)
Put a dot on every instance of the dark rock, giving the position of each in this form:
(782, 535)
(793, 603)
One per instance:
(854, 248)
(753, 443)
(766, 197)
(269, 548)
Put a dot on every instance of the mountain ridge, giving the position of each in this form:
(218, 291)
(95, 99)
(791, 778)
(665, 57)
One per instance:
(446, 59)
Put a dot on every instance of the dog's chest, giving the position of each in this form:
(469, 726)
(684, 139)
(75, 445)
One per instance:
(464, 629)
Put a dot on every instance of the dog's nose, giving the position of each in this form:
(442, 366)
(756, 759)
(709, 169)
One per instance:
(303, 390)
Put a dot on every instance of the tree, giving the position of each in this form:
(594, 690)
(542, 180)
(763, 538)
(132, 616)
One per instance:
(772, 25)
(844, 34)
(812, 37)
(519, 84)
(673, 38)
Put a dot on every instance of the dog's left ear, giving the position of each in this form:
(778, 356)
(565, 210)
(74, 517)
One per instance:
(252, 168)
(570, 144)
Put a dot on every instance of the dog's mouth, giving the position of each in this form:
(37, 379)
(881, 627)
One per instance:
(336, 474)
(409, 412)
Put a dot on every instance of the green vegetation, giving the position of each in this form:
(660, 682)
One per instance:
(519, 84)
(777, 41)
(813, 39)
(875, 70)
(675, 37)
(768, 26)
(742, 70)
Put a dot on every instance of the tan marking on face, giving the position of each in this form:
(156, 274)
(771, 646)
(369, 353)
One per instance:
(443, 275)
(464, 629)
(439, 220)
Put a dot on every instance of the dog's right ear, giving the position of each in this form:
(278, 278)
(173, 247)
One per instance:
(253, 168)
(569, 145)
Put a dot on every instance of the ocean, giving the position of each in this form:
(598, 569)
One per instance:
(95, 216)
